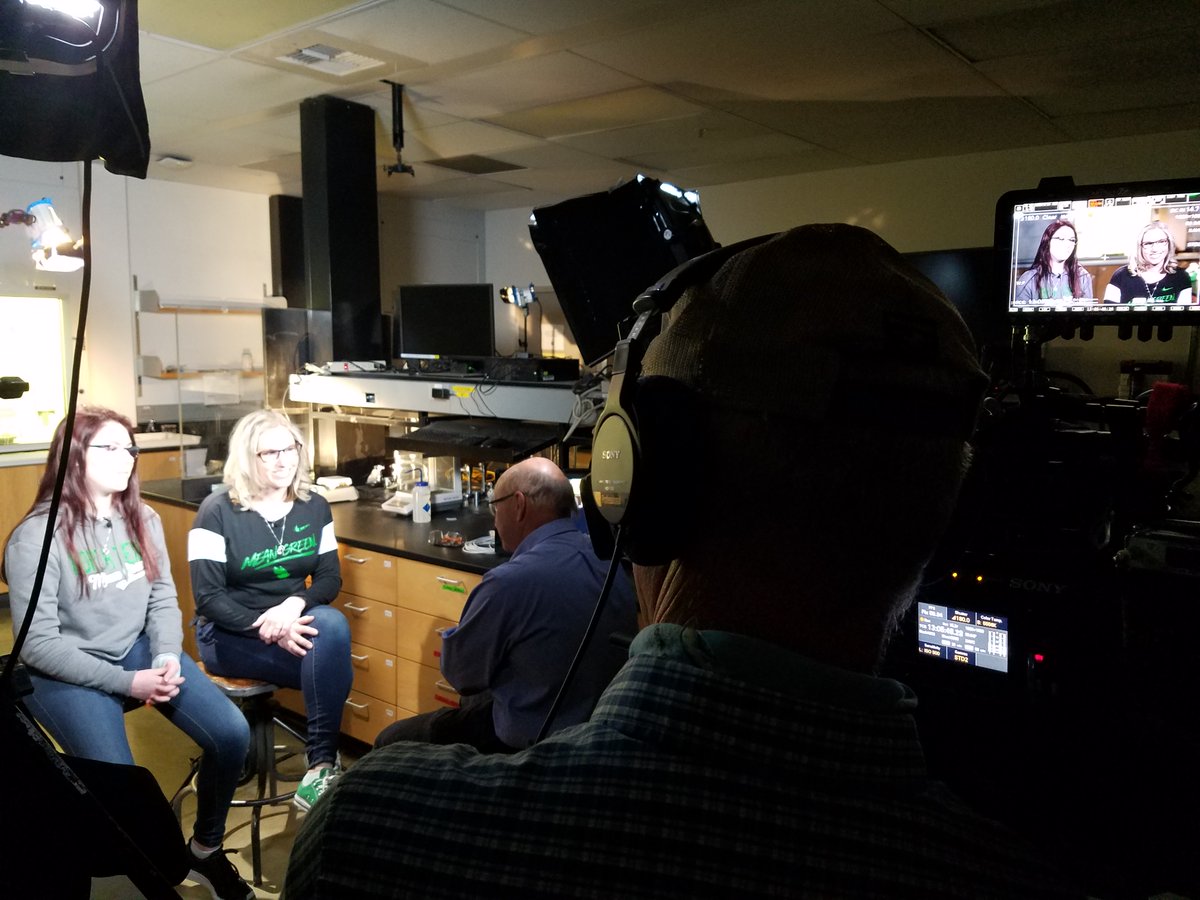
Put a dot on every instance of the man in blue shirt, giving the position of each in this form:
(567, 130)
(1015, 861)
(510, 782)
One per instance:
(522, 625)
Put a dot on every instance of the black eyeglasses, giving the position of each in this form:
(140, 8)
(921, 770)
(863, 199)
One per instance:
(497, 501)
(270, 456)
(133, 449)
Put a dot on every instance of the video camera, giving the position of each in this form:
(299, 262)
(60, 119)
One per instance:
(1046, 643)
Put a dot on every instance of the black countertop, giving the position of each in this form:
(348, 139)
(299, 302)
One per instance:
(361, 523)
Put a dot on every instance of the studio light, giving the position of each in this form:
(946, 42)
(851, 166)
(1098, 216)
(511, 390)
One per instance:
(53, 248)
(518, 297)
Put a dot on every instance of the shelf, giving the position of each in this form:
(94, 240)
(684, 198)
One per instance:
(183, 376)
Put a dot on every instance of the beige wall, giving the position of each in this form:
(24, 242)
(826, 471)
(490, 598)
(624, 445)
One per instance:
(931, 204)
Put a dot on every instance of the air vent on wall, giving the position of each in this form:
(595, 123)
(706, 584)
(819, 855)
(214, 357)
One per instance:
(474, 165)
(330, 60)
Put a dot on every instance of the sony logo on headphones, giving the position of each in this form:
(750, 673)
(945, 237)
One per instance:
(610, 454)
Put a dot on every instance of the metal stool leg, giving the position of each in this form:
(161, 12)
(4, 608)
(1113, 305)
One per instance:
(255, 699)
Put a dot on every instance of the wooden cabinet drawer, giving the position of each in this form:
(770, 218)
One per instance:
(372, 622)
(160, 464)
(368, 574)
(374, 672)
(434, 590)
(364, 717)
(418, 637)
(422, 688)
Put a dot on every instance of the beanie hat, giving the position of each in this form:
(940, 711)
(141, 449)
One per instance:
(824, 323)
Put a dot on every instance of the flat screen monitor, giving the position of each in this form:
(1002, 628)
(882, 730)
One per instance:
(1108, 253)
(602, 250)
(967, 277)
(965, 636)
(454, 321)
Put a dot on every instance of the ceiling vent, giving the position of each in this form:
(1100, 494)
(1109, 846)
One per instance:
(474, 165)
(330, 60)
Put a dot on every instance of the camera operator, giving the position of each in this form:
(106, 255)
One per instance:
(746, 748)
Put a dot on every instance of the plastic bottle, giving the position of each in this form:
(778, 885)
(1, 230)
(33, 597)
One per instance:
(422, 511)
(247, 360)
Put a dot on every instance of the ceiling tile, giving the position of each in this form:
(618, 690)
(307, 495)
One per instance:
(225, 24)
(815, 160)
(1068, 26)
(933, 12)
(377, 63)
(580, 93)
(464, 137)
(521, 84)
(1119, 123)
(159, 57)
(544, 16)
(769, 146)
(599, 175)
(228, 88)
(714, 134)
(428, 31)
(745, 43)
(1083, 81)
(886, 132)
(616, 110)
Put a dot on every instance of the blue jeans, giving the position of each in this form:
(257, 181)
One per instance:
(323, 675)
(91, 723)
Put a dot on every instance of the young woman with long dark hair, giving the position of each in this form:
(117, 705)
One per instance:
(107, 627)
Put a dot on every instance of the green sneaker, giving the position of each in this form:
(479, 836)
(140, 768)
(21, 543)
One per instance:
(312, 787)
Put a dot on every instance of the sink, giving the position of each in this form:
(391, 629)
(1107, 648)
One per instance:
(158, 440)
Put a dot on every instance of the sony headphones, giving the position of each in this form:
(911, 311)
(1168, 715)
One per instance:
(640, 441)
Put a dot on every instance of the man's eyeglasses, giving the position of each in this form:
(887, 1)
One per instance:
(498, 500)
(270, 456)
(133, 449)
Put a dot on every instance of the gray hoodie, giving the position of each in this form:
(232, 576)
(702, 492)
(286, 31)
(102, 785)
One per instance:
(78, 635)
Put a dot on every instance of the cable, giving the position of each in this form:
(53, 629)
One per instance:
(485, 544)
(609, 579)
(585, 410)
(68, 428)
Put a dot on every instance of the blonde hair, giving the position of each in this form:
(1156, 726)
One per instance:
(1138, 261)
(241, 469)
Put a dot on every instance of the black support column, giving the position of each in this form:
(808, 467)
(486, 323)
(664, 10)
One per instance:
(341, 222)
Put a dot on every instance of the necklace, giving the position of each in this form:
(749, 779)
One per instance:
(1053, 288)
(1150, 290)
(282, 533)
(108, 535)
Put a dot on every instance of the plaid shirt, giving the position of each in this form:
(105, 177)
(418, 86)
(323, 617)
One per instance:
(686, 782)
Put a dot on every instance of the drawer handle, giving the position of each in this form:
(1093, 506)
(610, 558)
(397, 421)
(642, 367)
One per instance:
(358, 658)
(357, 609)
(444, 686)
(458, 581)
(354, 705)
(357, 560)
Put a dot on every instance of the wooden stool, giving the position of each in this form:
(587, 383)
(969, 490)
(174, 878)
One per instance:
(256, 699)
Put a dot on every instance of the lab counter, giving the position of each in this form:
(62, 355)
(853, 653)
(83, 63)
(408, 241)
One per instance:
(10, 458)
(361, 523)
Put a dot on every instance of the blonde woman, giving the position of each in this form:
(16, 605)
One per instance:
(264, 569)
(1152, 275)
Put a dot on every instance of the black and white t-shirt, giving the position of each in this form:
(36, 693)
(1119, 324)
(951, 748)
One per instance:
(242, 565)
